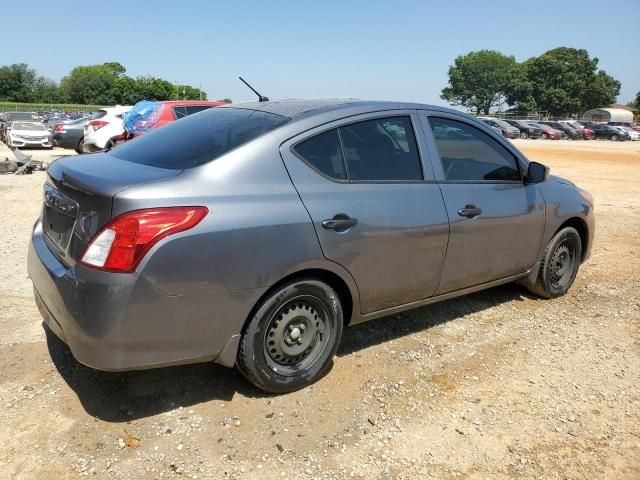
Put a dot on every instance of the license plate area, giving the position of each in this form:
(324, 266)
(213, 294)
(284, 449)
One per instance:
(58, 217)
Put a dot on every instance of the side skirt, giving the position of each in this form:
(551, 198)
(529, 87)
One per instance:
(438, 298)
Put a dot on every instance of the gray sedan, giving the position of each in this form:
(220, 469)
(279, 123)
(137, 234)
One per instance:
(252, 234)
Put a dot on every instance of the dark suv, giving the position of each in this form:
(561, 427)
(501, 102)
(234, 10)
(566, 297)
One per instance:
(526, 129)
(608, 132)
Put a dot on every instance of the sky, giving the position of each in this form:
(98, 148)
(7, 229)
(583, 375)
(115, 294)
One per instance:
(392, 50)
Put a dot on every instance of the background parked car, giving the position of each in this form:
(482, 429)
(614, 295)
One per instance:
(104, 129)
(633, 134)
(632, 125)
(507, 130)
(626, 135)
(527, 130)
(608, 132)
(548, 133)
(28, 134)
(587, 133)
(6, 118)
(69, 134)
(146, 116)
(571, 132)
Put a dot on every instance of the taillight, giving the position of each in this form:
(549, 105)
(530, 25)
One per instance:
(59, 128)
(98, 124)
(124, 241)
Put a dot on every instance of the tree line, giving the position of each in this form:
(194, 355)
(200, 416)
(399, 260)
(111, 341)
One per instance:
(563, 81)
(105, 84)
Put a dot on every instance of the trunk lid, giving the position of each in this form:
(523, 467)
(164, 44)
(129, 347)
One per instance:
(78, 198)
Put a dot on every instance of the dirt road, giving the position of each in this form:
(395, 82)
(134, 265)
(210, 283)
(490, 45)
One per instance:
(495, 385)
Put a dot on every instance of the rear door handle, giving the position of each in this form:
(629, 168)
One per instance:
(469, 211)
(339, 222)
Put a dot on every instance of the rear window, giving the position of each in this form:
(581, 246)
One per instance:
(199, 138)
(12, 117)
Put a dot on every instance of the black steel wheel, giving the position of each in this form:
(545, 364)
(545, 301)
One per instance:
(559, 265)
(292, 337)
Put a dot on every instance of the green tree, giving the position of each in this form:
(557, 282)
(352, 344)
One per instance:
(562, 81)
(152, 88)
(45, 90)
(187, 92)
(93, 84)
(17, 82)
(478, 80)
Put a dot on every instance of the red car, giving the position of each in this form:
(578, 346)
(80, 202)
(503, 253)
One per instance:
(548, 133)
(146, 115)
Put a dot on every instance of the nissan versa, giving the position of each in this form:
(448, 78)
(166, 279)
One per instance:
(252, 234)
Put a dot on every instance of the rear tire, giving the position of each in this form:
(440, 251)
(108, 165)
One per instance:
(545, 136)
(79, 150)
(292, 337)
(559, 264)
(524, 135)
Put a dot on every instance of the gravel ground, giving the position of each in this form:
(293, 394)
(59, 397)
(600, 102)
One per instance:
(495, 385)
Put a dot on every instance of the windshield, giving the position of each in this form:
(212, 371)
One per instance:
(502, 123)
(198, 138)
(29, 126)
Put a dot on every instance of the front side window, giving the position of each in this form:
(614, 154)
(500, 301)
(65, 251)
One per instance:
(468, 154)
(382, 149)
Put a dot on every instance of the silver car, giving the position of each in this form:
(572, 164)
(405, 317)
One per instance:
(252, 234)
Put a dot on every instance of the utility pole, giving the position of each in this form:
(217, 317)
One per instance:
(177, 86)
(200, 90)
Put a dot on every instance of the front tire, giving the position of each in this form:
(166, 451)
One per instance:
(291, 339)
(614, 138)
(559, 265)
(524, 135)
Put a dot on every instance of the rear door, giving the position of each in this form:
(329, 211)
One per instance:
(496, 220)
(377, 211)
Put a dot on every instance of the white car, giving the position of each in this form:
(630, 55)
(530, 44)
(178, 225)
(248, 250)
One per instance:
(104, 129)
(28, 134)
(634, 134)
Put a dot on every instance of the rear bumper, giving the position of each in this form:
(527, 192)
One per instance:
(120, 322)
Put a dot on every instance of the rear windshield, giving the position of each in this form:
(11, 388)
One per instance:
(198, 138)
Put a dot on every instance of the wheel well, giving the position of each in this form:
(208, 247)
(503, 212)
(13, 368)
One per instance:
(582, 229)
(330, 278)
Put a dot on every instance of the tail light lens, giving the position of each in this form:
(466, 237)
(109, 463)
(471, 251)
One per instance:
(98, 124)
(59, 128)
(124, 241)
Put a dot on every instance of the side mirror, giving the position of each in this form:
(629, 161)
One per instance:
(536, 173)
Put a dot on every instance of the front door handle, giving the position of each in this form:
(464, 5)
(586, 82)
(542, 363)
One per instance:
(340, 222)
(469, 211)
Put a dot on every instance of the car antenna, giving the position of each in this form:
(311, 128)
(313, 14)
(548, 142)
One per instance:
(260, 97)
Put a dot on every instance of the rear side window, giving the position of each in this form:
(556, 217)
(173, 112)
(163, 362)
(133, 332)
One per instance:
(198, 139)
(324, 153)
(181, 111)
(372, 150)
(468, 154)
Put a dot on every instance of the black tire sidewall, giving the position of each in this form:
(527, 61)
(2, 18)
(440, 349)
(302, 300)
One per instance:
(555, 241)
(251, 359)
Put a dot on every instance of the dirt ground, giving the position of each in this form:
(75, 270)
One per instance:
(495, 385)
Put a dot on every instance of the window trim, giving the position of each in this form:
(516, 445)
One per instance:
(482, 127)
(352, 121)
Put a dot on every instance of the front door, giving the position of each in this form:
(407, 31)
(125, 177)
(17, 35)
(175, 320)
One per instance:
(496, 220)
(374, 212)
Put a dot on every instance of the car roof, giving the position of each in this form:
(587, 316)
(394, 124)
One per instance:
(296, 109)
(189, 102)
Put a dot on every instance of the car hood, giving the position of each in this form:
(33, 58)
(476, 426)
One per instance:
(33, 133)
